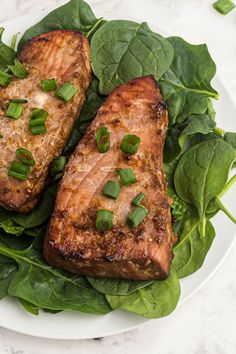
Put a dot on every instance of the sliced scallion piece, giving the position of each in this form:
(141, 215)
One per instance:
(138, 199)
(25, 156)
(66, 91)
(19, 170)
(224, 6)
(48, 85)
(58, 165)
(103, 139)
(14, 110)
(136, 216)
(130, 144)
(127, 176)
(18, 100)
(5, 78)
(104, 220)
(37, 121)
(38, 113)
(40, 129)
(18, 69)
(111, 189)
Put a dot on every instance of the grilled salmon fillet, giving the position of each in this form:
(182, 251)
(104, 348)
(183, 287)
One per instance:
(72, 241)
(65, 56)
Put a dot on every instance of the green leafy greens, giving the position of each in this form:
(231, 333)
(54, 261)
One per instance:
(198, 157)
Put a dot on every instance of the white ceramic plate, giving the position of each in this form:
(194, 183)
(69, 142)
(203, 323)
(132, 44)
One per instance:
(69, 325)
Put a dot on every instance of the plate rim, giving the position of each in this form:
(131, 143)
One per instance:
(115, 16)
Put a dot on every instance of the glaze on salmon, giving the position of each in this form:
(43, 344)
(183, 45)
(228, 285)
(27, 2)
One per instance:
(65, 56)
(72, 241)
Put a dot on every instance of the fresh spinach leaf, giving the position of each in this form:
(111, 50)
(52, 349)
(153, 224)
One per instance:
(230, 138)
(117, 286)
(8, 268)
(156, 300)
(47, 287)
(123, 50)
(28, 306)
(202, 173)
(75, 15)
(179, 208)
(191, 249)
(38, 215)
(10, 227)
(186, 86)
(196, 124)
(7, 54)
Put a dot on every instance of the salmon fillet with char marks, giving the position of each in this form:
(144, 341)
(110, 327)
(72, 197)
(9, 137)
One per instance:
(72, 241)
(65, 56)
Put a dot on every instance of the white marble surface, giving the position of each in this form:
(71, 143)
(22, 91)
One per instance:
(206, 323)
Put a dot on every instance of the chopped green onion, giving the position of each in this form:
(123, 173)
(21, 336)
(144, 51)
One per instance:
(18, 69)
(224, 6)
(66, 91)
(111, 189)
(103, 139)
(25, 156)
(48, 85)
(5, 78)
(130, 144)
(14, 110)
(127, 176)
(138, 199)
(104, 220)
(58, 165)
(136, 216)
(1, 136)
(19, 171)
(40, 129)
(38, 113)
(18, 100)
(37, 121)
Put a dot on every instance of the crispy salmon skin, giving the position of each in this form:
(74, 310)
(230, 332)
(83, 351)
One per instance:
(65, 56)
(72, 241)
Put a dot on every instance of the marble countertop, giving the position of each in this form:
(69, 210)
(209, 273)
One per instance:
(206, 323)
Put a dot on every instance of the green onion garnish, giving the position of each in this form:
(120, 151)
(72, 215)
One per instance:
(14, 110)
(103, 139)
(37, 121)
(1, 136)
(38, 113)
(18, 69)
(18, 100)
(58, 165)
(127, 176)
(224, 6)
(111, 189)
(48, 85)
(104, 220)
(25, 156)
(40, 129)
(5, 79)
(19, 171)
(136, 216)
(130, 144)
(138, 199)
(67, 91)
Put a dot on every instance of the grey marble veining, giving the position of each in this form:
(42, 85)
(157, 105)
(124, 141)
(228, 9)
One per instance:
(206, 323)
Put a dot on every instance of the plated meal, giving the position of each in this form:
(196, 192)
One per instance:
(112, 165)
